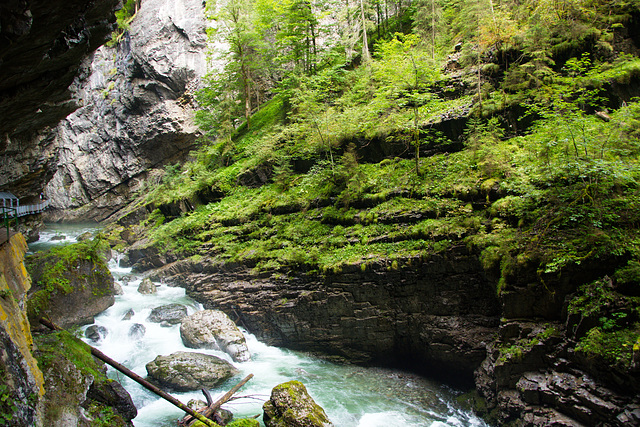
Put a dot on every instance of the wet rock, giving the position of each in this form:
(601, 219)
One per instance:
(58, 237)
(532, 377)
(214, 329)
(291, 405)
(183, 371)
(77, 389)
(137, 331)
(96, 333)
(441, 313)
(172, 314)
(118, 289)
(87, 235)
(112, 394)
(129, 314)
(147, 287)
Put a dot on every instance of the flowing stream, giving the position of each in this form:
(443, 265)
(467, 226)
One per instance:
(351, 396)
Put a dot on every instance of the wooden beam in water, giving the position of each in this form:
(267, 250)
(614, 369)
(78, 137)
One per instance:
(137, 378)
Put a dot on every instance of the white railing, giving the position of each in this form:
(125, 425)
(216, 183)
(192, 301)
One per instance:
(23, 210)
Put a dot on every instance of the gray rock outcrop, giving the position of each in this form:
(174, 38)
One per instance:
(441, 312)
(42, 47)
(184, 371)
(214, 329)
(95, 332)
(170, 313)
(290, 405)
(146, 287)
(137, 111)
(137, 331)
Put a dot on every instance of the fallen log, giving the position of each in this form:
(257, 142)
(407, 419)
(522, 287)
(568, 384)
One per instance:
(137, 378)
(210, 410)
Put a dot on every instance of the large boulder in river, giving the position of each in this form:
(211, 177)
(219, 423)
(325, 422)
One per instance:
(184, 371)
(291, 405)
(147, 287)
(170, 313)
(96, 332)
(214, 329)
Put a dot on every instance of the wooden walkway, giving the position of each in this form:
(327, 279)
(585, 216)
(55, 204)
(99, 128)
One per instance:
(23, 210)
(13, 213)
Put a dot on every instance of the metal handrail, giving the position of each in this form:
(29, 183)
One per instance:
(18, 211)
(5, 218)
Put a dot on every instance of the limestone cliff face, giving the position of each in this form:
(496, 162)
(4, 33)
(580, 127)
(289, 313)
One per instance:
(137, 111)
(42, 43)
(19, 368)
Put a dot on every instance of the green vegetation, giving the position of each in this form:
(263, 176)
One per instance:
(56, 352)
(8, 406)
(522, 346)
(507, 130)
(56, 269)
(304, 182)
(124, 17)
(606, 303)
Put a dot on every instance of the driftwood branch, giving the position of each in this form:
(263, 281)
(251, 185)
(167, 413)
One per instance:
(207, 396)
(137, 378)
(212, 408)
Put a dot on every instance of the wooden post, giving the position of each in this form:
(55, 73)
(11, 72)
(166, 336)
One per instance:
(137, 378)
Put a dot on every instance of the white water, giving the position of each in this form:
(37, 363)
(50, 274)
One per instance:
(352, 396)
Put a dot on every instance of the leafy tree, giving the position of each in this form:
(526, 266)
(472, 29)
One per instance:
(404, 73)
(236, 29)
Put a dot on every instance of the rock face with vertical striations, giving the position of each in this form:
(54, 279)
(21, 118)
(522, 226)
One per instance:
(136, 114)
(19, 369)
(42, 44)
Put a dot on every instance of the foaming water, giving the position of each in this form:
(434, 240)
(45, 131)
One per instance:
(61, 234)
(352, 396)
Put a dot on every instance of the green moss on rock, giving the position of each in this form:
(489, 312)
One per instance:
(75, 380)
(291, 405)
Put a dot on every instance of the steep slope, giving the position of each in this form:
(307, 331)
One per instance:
(478, 219)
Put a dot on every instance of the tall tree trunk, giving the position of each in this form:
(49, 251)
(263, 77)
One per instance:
(247, 93)
(366, 56)
(433, 29)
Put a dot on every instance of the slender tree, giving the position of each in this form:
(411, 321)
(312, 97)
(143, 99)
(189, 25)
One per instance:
(366, 55)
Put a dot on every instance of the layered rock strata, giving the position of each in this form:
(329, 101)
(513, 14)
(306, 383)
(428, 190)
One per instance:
(437, 317)
(19, 369)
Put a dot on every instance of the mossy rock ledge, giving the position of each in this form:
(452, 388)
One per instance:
(291, 405)
(78, 391)
(71, 285)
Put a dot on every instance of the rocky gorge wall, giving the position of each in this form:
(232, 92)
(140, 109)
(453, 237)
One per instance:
(22, 380)
(50, 379)
(441, 316)
(437, 317)
(42, 44)
(136, 112)
(91, 128)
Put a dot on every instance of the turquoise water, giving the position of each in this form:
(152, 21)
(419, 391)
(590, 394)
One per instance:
(352, 396)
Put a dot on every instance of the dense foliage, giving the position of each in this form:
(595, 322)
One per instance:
(506, 128)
